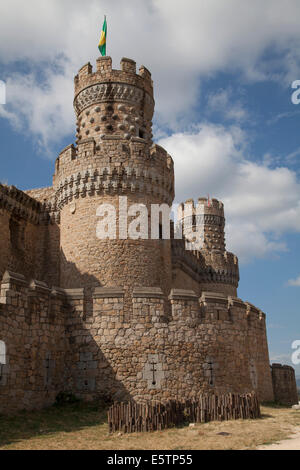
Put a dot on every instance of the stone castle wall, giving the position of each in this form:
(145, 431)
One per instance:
(32, 327)
(284, 384)
(54, 343)
(212, 344)
(29, 234)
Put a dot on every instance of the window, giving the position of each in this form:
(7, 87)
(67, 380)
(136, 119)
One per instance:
(2, 362)
(17, 234)
(160, 232)
(2, 352)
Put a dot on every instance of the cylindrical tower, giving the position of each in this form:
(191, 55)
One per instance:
(114, 102)
(203, 228)
(114, 158)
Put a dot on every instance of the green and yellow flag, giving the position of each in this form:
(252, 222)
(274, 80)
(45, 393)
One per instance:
(102, 42)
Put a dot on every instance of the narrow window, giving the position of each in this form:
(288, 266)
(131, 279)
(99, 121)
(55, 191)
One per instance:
(2, 361)
(2, 353)
(160, 231)
(17, 234)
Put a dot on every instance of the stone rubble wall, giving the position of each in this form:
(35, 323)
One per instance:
(29, 234)
(32, 326)
(284, 384)
(204, 270)
(55, 341)
(213, 344)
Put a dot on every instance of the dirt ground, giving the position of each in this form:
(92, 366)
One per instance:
(293, 443)
(84, 426)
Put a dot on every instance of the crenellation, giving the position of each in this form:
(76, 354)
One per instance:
(85, 70)
(145, 74)
(104, 64)
(128, 65)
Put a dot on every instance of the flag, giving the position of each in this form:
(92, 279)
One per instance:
(102, 42)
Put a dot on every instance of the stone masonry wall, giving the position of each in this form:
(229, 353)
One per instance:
(29, 234)
(212, 344)
(18, 244)
(32, 327)
(284, 384)
(54, 342)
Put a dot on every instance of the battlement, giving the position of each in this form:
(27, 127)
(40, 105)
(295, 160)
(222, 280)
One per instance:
(283, 367)
(17, 292)
(104, 71)
(112, 102)
(114, 166)
(201, 206)
(203, 224)
(158, 153)
(26, 207)
(19, 203)
(25, 297)
(218, 269)
(185, 305)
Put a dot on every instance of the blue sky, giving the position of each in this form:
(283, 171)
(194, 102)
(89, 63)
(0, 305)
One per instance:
(222, 73)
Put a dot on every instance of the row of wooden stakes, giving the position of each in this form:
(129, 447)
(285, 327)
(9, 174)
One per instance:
(152, 416)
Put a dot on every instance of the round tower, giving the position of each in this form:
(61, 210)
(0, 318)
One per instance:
(114, 102)
(203, 227)
(203, 224)
(114, 158)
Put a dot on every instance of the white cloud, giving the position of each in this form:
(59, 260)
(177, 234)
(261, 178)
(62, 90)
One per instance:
(294, 282)
(179, 44)
(35, 108)
(261, 203)
(223, 103)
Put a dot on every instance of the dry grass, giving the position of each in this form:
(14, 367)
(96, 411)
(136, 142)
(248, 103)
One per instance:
(83, 426)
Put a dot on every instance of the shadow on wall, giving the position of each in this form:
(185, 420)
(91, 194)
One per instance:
(49, 348)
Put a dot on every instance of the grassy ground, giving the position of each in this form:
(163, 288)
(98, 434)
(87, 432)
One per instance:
(84, 426)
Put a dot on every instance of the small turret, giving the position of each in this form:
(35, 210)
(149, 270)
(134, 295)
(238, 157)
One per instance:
(203, 224)
(203, 227)
(113, 102)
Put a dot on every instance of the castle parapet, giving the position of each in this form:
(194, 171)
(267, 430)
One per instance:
(104, 64)
(33, 301)
(185, 306)
(24, 206)
(148, 308)
(104, 71)
(114, 102)
(128, 65)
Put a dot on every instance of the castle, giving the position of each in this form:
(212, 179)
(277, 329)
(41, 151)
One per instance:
(128, 318)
